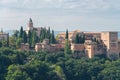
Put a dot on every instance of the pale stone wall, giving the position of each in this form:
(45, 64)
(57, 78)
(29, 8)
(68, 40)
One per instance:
(78, 50)
(4, 36)
(119, 46)
(77, 47)
(90, 50)
(110, 39)
(93, 49)
(25, 46)
(90, 35)
(38, 47)
(71, 35)
(49, 47)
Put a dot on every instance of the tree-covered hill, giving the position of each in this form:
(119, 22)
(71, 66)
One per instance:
(19, 65)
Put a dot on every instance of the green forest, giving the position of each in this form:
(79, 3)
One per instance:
(16, 64)
(30, 65)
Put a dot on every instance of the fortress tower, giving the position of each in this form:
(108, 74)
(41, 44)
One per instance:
(110, 39)
(30, 25)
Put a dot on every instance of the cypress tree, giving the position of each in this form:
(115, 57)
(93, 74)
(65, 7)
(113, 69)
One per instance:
(24, 37)
(42, 35)
(52, 37)
(33, 39)
(80, 39)
(45, 33)
(83, 38)
(49, 34)
(67, 49)
(21, 32)
(29, 38)
(77, 40)
(66, 37)
(8, 40)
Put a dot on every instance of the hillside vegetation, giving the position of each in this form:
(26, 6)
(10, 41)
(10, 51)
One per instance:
(18, 65)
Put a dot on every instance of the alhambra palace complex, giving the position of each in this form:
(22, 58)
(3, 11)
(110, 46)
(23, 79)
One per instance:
(108, 43)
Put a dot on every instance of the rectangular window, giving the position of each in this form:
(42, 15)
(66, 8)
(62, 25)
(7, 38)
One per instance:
(113, 44)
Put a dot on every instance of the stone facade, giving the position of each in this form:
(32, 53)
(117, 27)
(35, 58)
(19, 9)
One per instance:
(71, 35)
(78, 50)
(48, 47)
(38, 47)
(119, 47)
(30, 27)
(110, 39)
(94, 49)
(4, 36)
(106, 42)
(24, 47)
(90, 35)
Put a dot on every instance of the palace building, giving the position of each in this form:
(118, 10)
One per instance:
(95, 43)
(4, 36)
(30, 27)
(110, 39)
(107, 43)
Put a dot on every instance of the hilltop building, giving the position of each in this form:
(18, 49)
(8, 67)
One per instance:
(95, 43)
(78, 50)
(90, 35)
(25, 47)
(4, 36)
(106, 43)
(48, 47)
(71, 37)
(30, 27)
(94, 49)
(110, 39)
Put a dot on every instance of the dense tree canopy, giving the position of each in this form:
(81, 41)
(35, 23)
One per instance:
(17, 65)
(31, 65)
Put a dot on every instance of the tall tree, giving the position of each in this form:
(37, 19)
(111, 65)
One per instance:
(66, 37)
(52, 37)
(48, 33)
(18, 42)
(34, 38)
(67, 49)
(77, 40)
(16, 34)
(8, 41)
(29, 38)
(24, 37)
(42, 34)
(83, 38)
(21, 32)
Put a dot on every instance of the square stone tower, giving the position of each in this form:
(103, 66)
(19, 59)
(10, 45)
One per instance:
(110, 39)
(30, 25)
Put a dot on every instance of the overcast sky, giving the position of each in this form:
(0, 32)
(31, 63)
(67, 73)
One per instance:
(85, 15)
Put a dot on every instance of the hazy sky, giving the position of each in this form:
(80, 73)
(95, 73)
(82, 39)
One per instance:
(85, 15)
